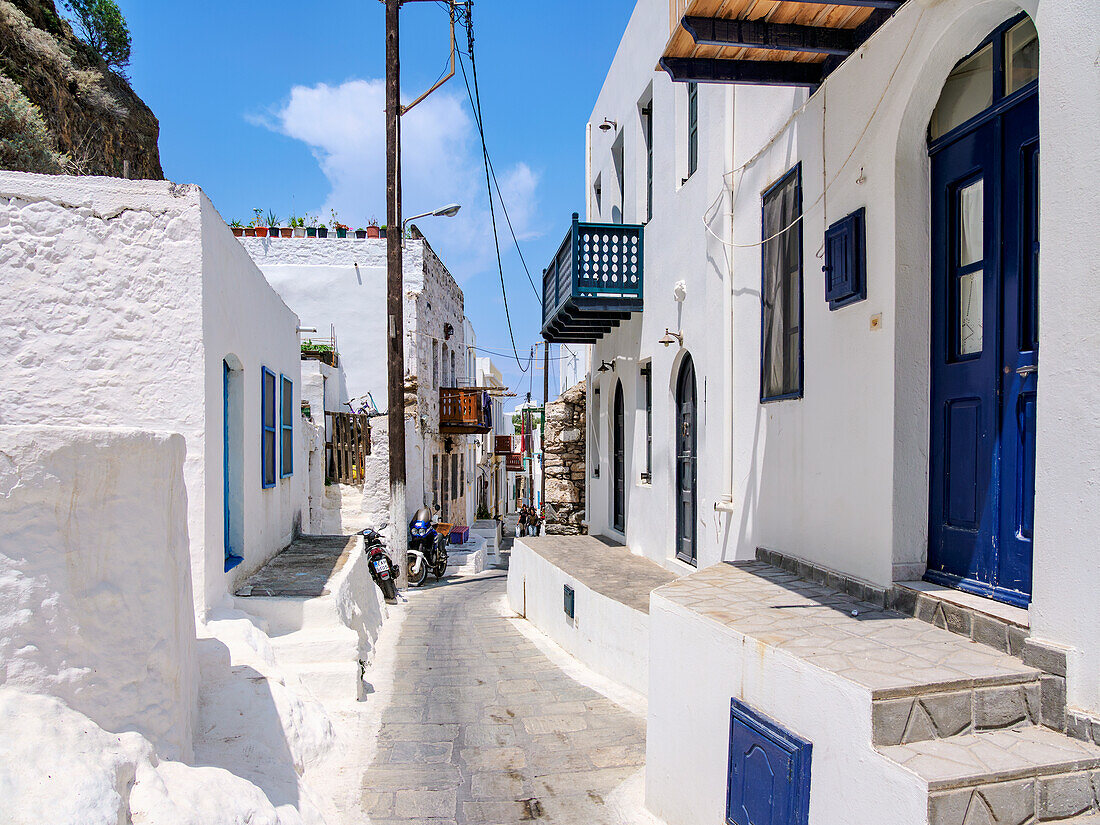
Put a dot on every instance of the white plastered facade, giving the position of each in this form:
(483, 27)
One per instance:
(839, 477)
(123, 298)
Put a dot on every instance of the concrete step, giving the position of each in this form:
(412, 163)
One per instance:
(330, 681)
(1015, 777)
(465, 562)
(335, 643)
(289, 614)
(989, 704)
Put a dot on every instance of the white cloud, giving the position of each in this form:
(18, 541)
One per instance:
(344, 126)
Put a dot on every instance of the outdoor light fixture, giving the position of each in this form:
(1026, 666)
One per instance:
(672, 338)
(606, 365)
(608, 125)
(448, 211)
(307, 329)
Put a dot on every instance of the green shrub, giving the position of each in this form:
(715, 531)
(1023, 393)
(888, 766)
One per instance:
(25, 144)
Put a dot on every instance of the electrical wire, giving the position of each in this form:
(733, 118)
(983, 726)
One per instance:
(475, 103)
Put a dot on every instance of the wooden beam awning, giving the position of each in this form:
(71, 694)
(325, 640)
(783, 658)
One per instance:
(767, 42)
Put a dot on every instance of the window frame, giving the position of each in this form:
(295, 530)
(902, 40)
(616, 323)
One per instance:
(647, 137)
(647, 382)
(692, 128)
(286, 427)
(794, 172)
(267, 400)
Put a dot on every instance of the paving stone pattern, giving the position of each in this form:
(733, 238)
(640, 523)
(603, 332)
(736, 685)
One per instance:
(482, 728)
(303, 569)
(603, 566)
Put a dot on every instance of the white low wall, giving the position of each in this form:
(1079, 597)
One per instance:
(95, 588)
(702, 666)
(605, 635)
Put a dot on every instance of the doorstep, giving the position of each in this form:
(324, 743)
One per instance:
(1015, 616)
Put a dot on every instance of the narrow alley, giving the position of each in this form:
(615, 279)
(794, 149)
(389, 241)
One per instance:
(480, 726)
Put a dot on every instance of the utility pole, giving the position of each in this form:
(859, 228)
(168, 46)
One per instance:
(542, 426)
(399, 537)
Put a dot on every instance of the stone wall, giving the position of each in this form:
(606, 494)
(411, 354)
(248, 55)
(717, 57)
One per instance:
(565, 463)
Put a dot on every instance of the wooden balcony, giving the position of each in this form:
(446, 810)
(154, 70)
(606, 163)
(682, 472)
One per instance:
(464, 411)
(513, 463)
(593, 283)
(775, 43)
(505, 445)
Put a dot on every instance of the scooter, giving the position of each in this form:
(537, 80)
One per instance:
(382, 568)
(427, 549)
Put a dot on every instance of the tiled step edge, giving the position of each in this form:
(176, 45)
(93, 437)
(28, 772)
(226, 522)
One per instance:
(976, 626)
(953, 713)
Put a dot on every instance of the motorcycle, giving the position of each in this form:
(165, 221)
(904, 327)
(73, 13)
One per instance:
(427, 549)
(382, 568)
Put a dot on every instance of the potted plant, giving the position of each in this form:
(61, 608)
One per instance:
(382, 231)
(322, 231)
(261, 231)
(250, 230)
(341, 230)
(298, 227)
(372, 229)
(238, 228)
(311, 226)
(272, 221)
(360, 233)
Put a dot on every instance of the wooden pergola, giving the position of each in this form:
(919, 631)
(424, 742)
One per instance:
(767, 42)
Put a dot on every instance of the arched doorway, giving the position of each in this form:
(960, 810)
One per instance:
(984, 147)
(686, 447)
(618, 437)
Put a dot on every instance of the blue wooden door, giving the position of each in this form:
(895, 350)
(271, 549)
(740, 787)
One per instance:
(686, 456)
(769, 771)
(229, 554)
(984, 344)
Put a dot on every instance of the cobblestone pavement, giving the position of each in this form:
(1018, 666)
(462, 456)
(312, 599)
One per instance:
(483, 728)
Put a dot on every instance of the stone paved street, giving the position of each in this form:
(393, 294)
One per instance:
(482, 727)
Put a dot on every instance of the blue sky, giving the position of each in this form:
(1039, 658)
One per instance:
(278, 105)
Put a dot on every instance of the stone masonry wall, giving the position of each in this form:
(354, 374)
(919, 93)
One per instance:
(565, 463)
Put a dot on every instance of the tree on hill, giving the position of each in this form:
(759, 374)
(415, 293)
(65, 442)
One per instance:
(102, 26)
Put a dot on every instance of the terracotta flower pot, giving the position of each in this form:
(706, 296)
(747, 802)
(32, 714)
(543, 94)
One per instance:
(286, 231)
(238, 231)
(250, 232)
(372, 232)
(261, 231)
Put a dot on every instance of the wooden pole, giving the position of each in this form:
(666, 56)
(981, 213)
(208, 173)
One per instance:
(395, 381)
(542, 427)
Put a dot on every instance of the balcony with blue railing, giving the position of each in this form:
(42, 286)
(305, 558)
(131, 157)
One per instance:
(594, 282)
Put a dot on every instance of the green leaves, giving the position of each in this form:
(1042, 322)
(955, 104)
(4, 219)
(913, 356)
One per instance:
(101, 25)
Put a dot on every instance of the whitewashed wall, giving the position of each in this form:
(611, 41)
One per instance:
(123, 297)
(95, 587)
(840, 477)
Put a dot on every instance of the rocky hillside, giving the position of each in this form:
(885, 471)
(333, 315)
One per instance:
(88, 120)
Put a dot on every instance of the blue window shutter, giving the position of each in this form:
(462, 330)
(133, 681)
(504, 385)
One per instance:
(267, 428)
(286, 427)
(846, 261)
(769, 771)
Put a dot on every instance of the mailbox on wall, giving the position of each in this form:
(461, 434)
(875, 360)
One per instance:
(769, 771)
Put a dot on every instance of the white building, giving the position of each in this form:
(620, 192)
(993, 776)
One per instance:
(493, 495)
(129, 303)
(866, 430)
(340, 283)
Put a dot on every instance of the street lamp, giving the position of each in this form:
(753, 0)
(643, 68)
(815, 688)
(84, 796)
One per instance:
(448, 211)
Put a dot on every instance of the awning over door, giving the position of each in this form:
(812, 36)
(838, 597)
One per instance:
(767, 42)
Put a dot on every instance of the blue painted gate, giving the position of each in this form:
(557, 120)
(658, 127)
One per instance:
(985, 345)
(769, 771)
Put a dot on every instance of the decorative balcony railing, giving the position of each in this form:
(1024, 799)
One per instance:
(505, 445)
(513, 463)
(593, 283)
(464, 411)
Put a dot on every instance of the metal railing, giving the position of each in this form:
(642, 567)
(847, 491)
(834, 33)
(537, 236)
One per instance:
(595, 260)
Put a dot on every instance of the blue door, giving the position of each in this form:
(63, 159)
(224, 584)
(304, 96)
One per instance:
(984, 355)
(769, 771)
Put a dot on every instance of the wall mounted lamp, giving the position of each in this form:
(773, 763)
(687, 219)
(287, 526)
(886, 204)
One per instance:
(672, 338)
(605, 366)
(307, 329)
(608, 125)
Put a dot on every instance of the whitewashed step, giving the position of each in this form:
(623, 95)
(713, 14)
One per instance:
(1008, 777)
(465, 562)
(286, 614)
(331, 681)
(335, 644)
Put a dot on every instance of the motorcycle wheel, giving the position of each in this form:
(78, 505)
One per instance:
(440, 571)
(417, 579)
(389, 592)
